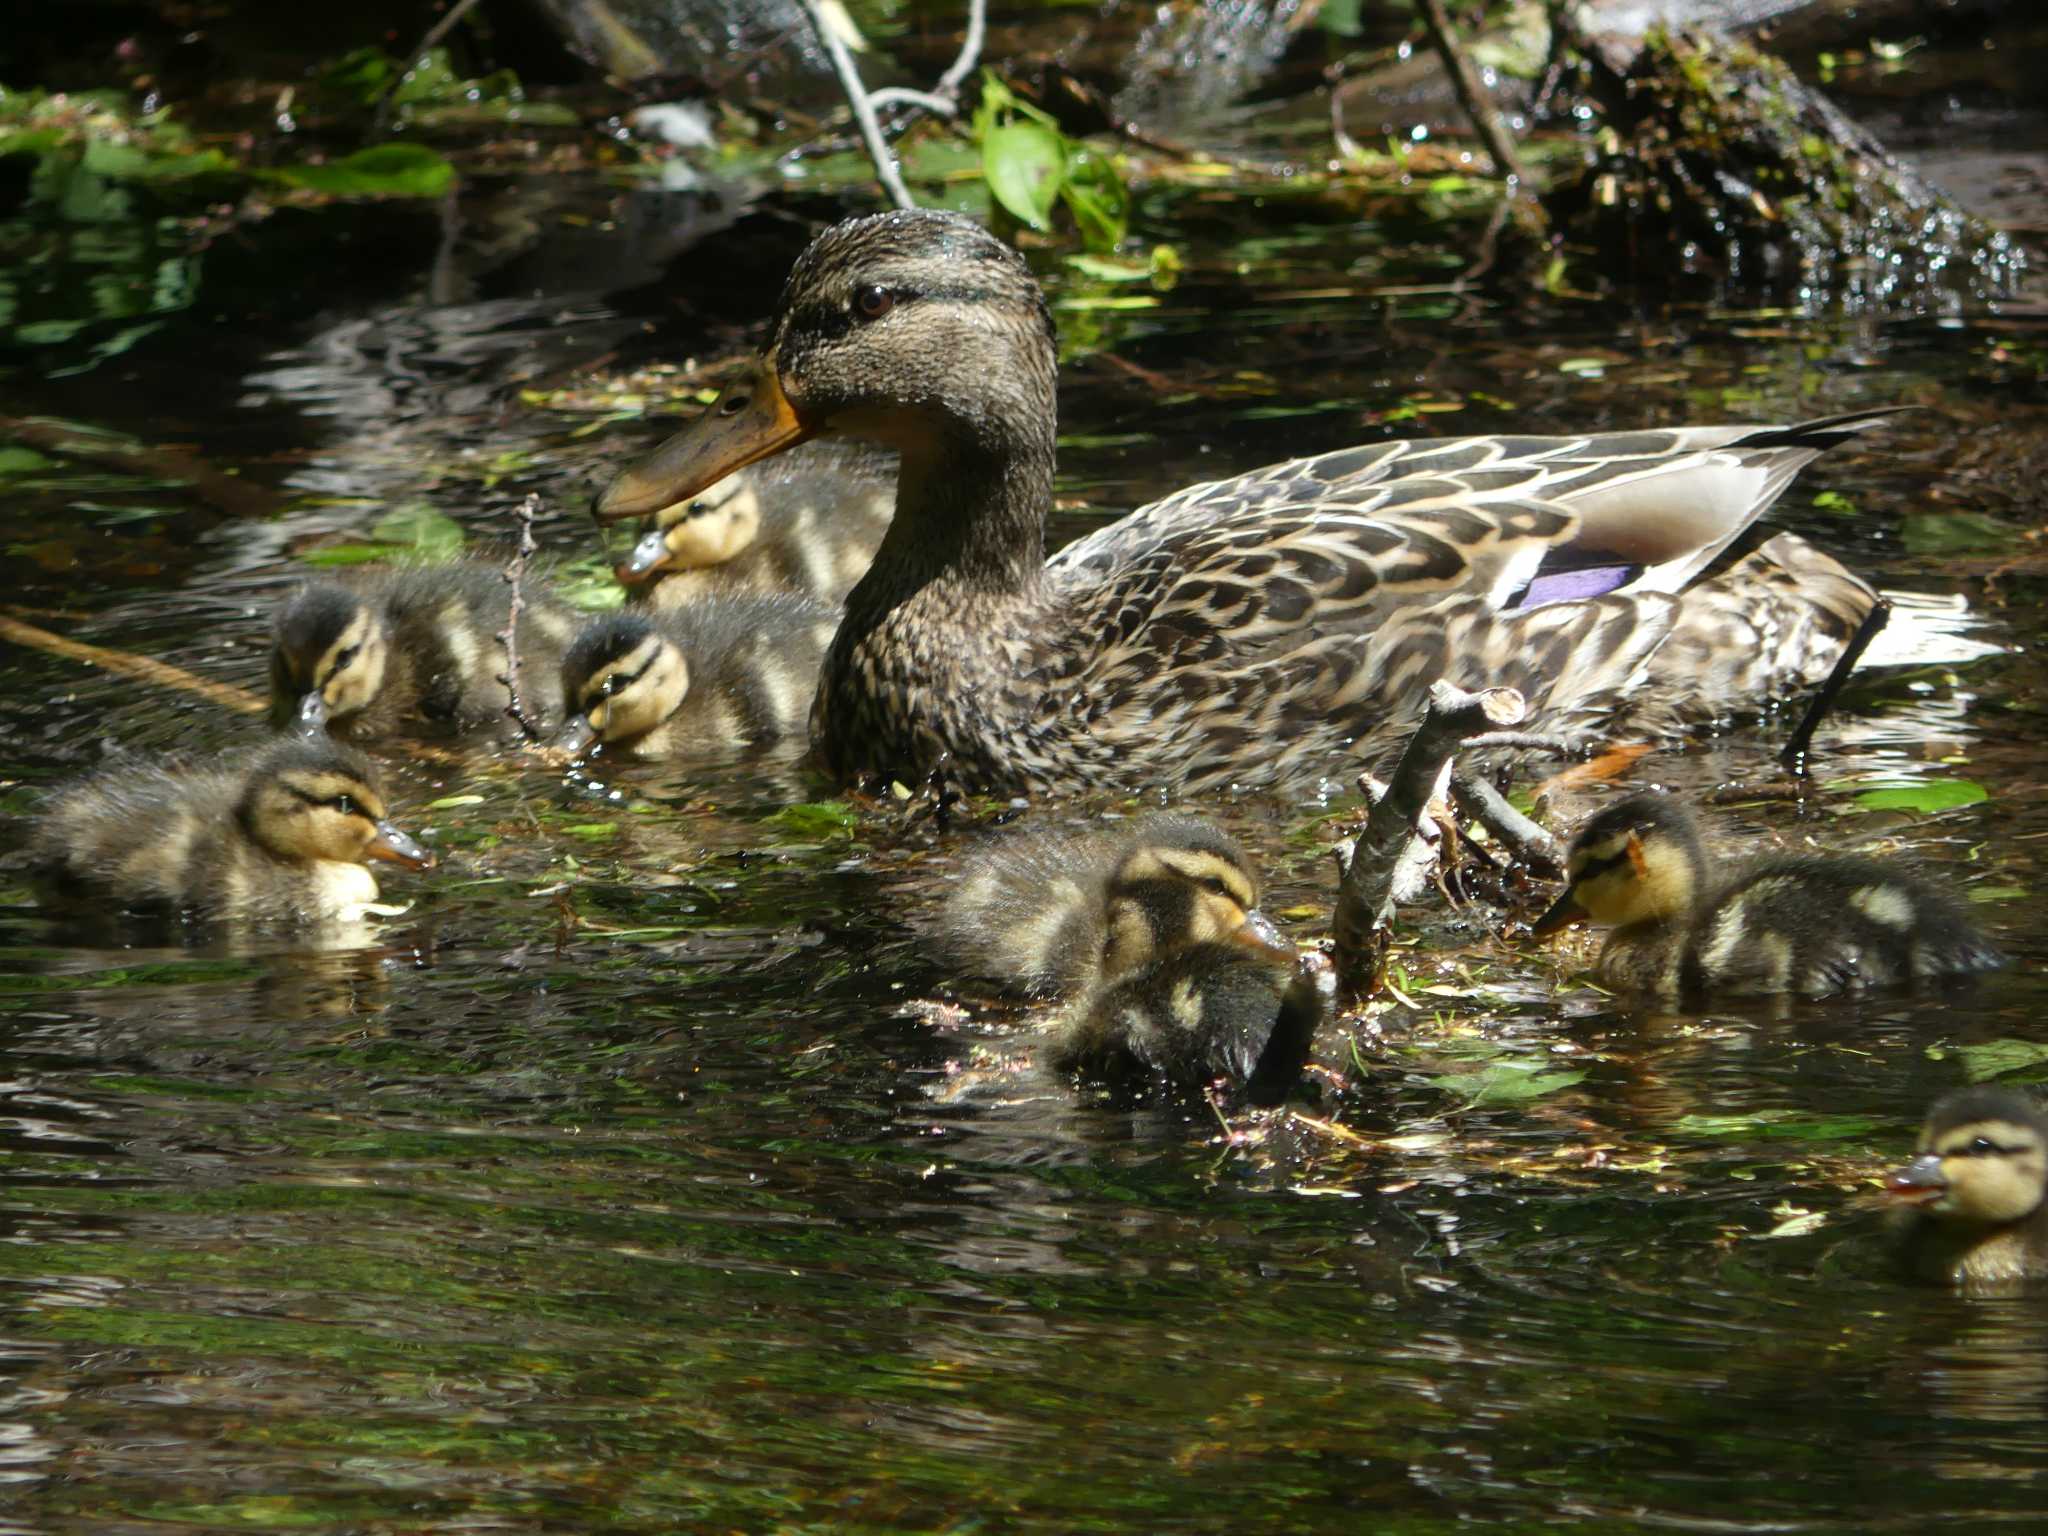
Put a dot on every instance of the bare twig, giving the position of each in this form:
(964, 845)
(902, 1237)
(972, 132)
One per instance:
(145, 669)
(515, 574)
(903, 96)
(857, 98)
(1794, 755)
(1526, 841)
(1472, 95)
(1363, 892)
(970, 51)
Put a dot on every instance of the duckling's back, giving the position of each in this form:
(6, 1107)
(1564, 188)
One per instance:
(1029, 909)
(1816, 926)
(754, 659)
(149, 832)
(445, 621)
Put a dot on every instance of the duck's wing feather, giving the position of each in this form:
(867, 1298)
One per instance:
(1348, 538)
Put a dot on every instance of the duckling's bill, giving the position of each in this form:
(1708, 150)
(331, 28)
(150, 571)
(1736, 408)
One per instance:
(1920, 1182)
(398, 847)
(1257, 933)
(752, 420)
(648, 560)
(1564, 912)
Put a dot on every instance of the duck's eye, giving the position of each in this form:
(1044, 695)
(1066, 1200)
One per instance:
(346, 804)
(871, 301)
(1216, 885)
(346, 659)
(1981, 1146)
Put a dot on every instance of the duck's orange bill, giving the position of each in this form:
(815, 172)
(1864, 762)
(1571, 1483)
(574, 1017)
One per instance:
(1562, 914)
(752, 420)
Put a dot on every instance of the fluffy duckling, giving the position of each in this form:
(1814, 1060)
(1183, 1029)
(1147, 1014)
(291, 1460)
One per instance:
(1976, 1191)
(413, 650)
(1052, 913)
(1152, 933)
(808, 522)
(280, 840)
(1239, 1013)
(710, 680)
(1805, 925)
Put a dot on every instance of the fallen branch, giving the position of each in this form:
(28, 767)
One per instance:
(863, 106)
(508, 637)
(1473, 97)
(1522, 838)
(1367, 867)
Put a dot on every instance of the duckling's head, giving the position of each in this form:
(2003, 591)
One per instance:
(706, 530)
(1181, 881)
(622, 678)
(1983, 1159)
(916, 329)
(311, 800)
(1638, 861)
(327, 657)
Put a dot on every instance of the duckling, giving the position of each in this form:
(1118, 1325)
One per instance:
(1811, 926)
(413, 650)
(809, 522)
(724, 674)
(1052, 913)
(1238, 1013)
(1975, 1190)
(282, 839)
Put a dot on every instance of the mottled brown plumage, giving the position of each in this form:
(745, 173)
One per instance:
(1261, 630)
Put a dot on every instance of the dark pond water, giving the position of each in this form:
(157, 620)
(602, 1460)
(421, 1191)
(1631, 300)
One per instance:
(645, 1174)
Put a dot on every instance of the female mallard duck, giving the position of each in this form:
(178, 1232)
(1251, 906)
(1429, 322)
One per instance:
(413, 650)
(1976, 1190)
(282, 839)
(710, 680)
(1806, 925)
(1151, 932)
(809, 523)
(1250, 631)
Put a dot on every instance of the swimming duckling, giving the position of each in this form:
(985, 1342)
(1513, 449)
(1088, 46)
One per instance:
(1238, 1013)
(1807, 925)
(809, 522)
(413, 650)
(1051, 913)
(1976, 1190)
(710, 680)
(283, 839)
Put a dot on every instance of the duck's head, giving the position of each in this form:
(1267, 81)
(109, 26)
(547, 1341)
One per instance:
(314, 800)
(1638, 861)
(1982, 1159)
(915, 329)
(622, 678)
(327, 657)
(1182, 881)
(705, 530)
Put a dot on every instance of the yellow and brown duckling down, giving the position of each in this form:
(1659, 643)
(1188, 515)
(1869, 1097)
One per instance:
(1151, 934)
(413, 650)
(808, 522)
(1788, 924)
(1976, 1190)
(1267, 629)
(284, 838)
(723, 675)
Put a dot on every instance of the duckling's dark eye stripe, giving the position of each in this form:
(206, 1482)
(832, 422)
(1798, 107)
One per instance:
(1595, 868)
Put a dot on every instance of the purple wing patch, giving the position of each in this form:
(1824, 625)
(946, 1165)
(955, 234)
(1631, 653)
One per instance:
(1568, 586)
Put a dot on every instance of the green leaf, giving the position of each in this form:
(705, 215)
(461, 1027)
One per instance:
(1926, 798)
(1096, 197)
(1833, 501)
(1506, 1083)
(384, 170)
(1025, 164)
(21, 461)
(1954, 533)
(816, 819)
(347, 554)
(431, 533)
(1997, 1058)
